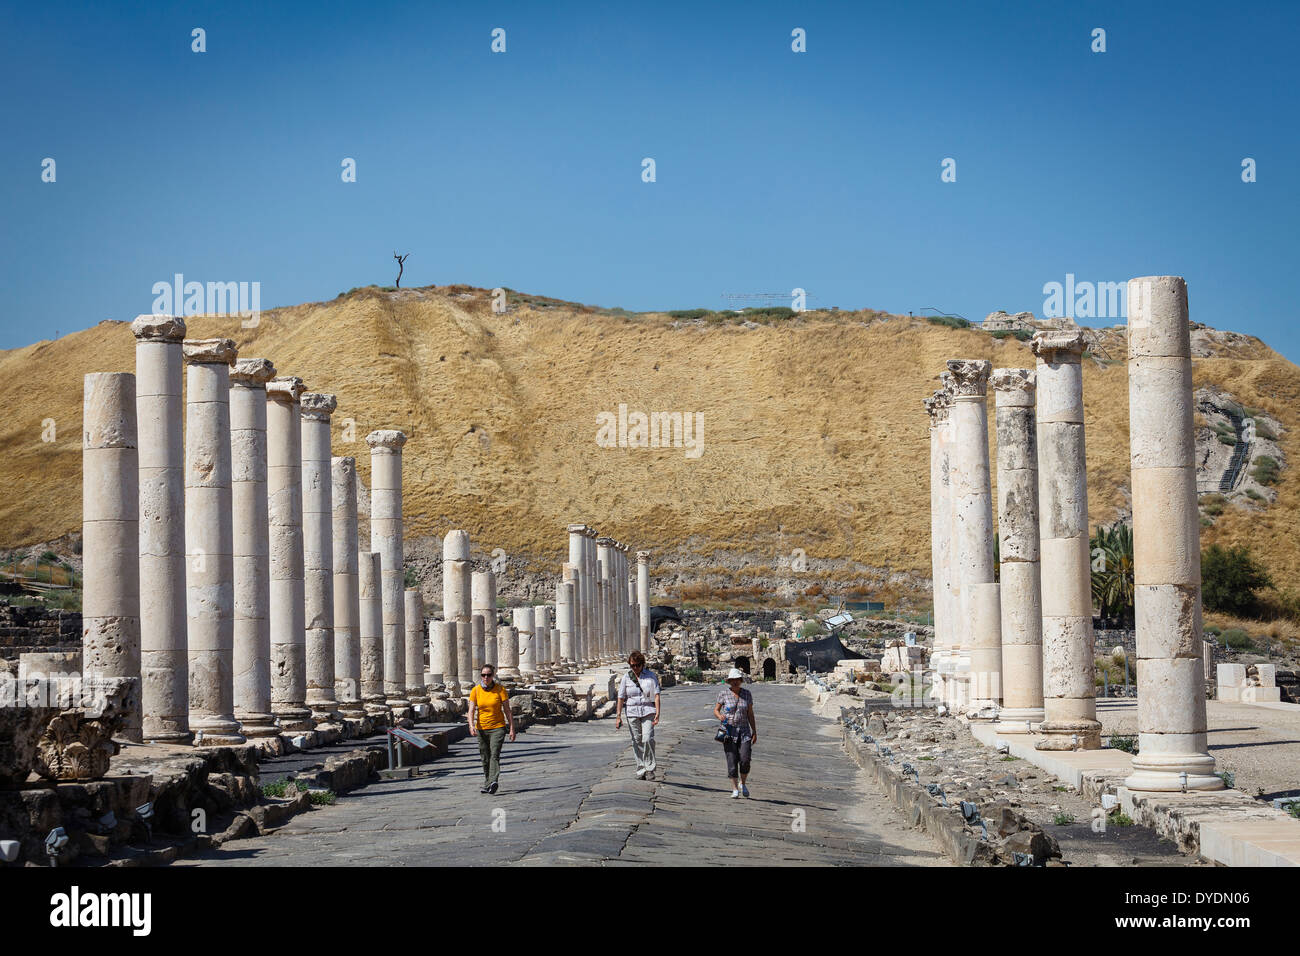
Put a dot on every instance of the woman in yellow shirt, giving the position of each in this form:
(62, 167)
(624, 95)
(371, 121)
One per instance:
(489, 712)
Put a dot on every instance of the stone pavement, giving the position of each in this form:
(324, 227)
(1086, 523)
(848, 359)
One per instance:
(569, 797)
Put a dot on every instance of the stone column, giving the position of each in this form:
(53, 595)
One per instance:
(1172, 752)
(164, 664)
(527, 648)
(507, 652)
(483, 602)
(564, 615)
(1069, 694)
(478, 642)
(973, 504)
(284, 497)
(465, 654)
(210, 540)
(386, 539)
(347, 593)
(1022, 605)
(110, 535)
(591, 621)
(442, 654)
(956, 660)
(542, 637)
(370, 601)
(936, 407)
(643, 598)
(414, 615)
(248, 508)
(318, 555)
(576, 549)
(605, 571)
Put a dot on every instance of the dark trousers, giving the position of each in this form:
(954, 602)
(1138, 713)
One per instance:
(738, 750)
(489, 748)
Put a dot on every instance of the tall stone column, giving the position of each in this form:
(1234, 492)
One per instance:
(347, 589)
(507, 652)
(940, 541)
(284, 498)
(564, 615)
(252, 561)
(110, 529)
(527, 647)
(591, 623)
(1022, 605)
(442, 654)
(164, 664)
(386, 539)
(370, 601)
(605, 572)
(643, 598)
(956, 660)
(415, 631)
(318, 554)
(1172, 752)
(465, 654)
(973, 503)
(1069, 692)
(576, 549)
(210, 540)
(483, 603)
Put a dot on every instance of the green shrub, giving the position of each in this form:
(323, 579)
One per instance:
(277, 788)
(1214, 505)
(952, 321)
(1229, 778)
(1254, 495)
(1264, 432)
(689, 313)
(322, 798)
(1121, 819)
(693, 674)
(1265, 470)
(1237, 639)
(1230, 577)
(1127, 744)
(1063, 819)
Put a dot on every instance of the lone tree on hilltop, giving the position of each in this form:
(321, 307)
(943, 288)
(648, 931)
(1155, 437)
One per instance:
(401, 264)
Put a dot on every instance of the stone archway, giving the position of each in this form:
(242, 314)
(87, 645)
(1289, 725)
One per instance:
(769, 669)
(742, 663)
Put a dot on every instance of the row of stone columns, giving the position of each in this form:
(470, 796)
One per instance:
(1029, 638)
(258, 612)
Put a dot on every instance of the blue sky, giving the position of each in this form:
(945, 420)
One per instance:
(774, 169)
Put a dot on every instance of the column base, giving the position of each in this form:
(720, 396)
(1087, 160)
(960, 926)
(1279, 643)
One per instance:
(352, 710)
(294, 718)
(325, 711)
(216, 730)
(1018, 720)
(1069, 735)
(169, 737)
(253, 726)
(1164, 773)
(512, 672)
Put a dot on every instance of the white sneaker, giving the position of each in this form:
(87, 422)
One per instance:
(735, 795)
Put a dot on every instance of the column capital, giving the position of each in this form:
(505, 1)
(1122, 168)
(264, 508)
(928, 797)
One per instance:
(318, 405)
(387, 439)
(252, 372)
(576, 529)
(1014, 386)
(970, 377)
(642, 557)
(286, 388)
(209, 351)
(937, 407)
(604, 541)
(1058, 345)
(158, 328)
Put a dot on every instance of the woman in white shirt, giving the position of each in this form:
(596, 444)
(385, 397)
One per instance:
(638, 694)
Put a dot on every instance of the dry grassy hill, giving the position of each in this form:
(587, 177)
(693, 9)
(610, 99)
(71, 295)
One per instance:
(815, 437)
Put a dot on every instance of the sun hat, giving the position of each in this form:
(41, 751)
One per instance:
(735, 674)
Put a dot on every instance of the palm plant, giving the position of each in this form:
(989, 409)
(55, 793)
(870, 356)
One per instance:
(1112, 571)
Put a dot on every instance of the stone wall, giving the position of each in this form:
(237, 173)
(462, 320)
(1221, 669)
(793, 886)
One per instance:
(25, 628)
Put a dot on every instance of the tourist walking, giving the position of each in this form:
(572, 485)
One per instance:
(638, 694)
(739, 731)
(489, 714)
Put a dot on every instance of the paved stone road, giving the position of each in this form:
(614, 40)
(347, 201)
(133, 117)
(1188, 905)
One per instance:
(569, 797)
